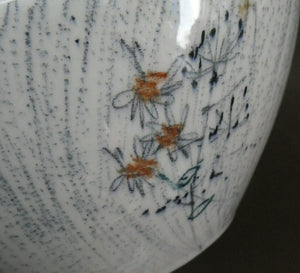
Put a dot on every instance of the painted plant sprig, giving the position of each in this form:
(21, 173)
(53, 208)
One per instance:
(153, 91)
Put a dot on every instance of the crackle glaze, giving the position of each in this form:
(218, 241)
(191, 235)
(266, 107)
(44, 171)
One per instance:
(129, 130)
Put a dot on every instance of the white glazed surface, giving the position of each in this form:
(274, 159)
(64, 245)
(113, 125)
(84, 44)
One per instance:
(72, 124)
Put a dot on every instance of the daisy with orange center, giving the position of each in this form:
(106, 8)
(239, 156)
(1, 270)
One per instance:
(149, 90)
(140, 168)
(136, 173)
(169, 136)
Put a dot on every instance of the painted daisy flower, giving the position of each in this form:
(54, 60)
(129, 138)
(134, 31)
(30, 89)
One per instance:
(149, 89)
(170, 135)
(135, 173)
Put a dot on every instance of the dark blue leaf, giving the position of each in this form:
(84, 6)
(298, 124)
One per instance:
(198, 210)
(187, 177)
(164, 178)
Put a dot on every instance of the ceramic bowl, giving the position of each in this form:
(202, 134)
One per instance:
(129, 130)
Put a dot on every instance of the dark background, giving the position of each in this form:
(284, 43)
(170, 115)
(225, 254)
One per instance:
(265, 234)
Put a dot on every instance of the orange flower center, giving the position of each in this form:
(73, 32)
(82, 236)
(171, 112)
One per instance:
(169, 136)
(140, 168)
(148, 89)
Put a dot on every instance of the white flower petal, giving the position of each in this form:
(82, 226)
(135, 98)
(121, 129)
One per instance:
(151, 109)
(123, 99)
(166, 99)
(184, 114)
(170, 88)
(116, 183)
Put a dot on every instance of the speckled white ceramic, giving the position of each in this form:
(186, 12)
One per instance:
(129, 129)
